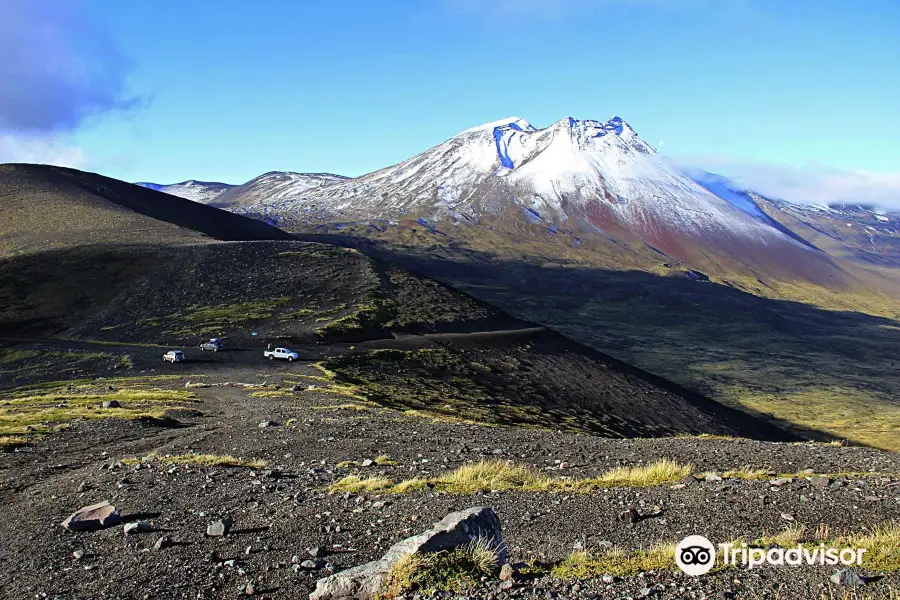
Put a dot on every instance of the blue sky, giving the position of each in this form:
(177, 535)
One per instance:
(170, 90)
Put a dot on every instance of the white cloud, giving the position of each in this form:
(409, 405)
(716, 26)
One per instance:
(58, 69)
(50, 150)
(810, 184)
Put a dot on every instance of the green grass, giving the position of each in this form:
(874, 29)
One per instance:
(363, 315)
(200, 319)
(449, 570)
(36, 408)
(881, 541)
(8, 442)
(584, 565)
(504, 475)
(318, 314)
(208, 460)
(272, 394)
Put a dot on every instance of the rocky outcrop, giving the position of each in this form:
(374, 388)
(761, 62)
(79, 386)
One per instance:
(453, 531)
(95, 516)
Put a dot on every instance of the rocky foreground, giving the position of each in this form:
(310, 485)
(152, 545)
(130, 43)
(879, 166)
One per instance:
(231, 500)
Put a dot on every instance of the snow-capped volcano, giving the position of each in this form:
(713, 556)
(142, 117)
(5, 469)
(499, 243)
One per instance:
(204, 192)
(584, 176)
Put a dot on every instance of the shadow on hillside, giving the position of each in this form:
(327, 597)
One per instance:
(765, 355)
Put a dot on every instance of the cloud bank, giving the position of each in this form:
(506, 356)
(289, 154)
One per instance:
(57, 70)
(51, 150)
(810, 184)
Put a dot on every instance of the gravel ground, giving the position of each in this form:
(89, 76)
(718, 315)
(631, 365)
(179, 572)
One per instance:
(281, 511)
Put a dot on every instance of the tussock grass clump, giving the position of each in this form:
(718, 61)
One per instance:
(201, 460)
(212, 460)
(33, 408)
(505, 476)
(8, 442)
(883, 544)
(273, 393)
(492, 475)
(661, 472)
(584, 565)
(790, 536)
(453, 570)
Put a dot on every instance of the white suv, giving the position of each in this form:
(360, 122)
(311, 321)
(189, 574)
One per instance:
(173, 356)
(283, 353)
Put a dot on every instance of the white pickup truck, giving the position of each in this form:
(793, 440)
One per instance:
(282, 353)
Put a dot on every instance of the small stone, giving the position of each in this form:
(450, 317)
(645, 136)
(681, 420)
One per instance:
(712, 477)
(95, 516)
(507, 585)
(163, 542)
(219, 528)
(847, 577)
(316, 551)
(507, 573)
(78, 554)
(607, 579)
(310, 565)
(820, 481)
(249, 589)
(780, 481)
(265, 424)
(111, 404)
(368, 462)
(630, 516)
(137, 527)
(787, 516)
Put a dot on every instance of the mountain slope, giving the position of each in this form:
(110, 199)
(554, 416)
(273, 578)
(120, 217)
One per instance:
(46, 207)
(274, 186)
(591, 181)
(198, 191)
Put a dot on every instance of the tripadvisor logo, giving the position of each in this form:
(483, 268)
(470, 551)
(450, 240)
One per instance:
(696, 555)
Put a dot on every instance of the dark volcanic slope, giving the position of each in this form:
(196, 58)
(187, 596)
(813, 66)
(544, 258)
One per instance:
(43, 207)
(405, 341)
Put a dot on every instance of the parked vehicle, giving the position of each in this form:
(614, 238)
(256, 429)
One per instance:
(213, 345)
(282, 353)
(173, 356)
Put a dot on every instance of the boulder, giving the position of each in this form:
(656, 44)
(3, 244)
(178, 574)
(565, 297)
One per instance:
(111, 404)
(457, 529)
(847, 577)
(93, 517)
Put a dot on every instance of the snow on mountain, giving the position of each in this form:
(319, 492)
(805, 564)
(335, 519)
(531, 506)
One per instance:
(601, 174)
(204, 192)
(274, 187)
